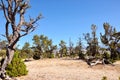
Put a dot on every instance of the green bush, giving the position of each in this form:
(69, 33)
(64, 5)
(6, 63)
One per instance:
(57, 55)
(51, 55)
(112, 60)
(48, 55)
(2, 53)
(16, 67)
(106, 55)
(81, 55)
(36, 56)
(22, 55)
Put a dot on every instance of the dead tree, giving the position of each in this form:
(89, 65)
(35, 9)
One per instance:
(14, 10)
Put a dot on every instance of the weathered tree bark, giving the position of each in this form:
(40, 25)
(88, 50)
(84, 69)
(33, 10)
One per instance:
(10, 49)
(7, 60)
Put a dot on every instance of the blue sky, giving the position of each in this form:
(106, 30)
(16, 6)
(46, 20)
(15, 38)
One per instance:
(64, 19)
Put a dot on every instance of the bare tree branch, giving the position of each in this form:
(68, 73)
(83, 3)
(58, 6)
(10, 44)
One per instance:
(38, 18)
(21, 21)
(7, 32)
(3, 35)
(4, 11)
(16, 7)
(28, 31)
(29, 26)
(10, 10)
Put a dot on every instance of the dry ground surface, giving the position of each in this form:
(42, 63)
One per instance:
(67, 69)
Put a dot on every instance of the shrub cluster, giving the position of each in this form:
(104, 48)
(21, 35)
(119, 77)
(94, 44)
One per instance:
(16, 67)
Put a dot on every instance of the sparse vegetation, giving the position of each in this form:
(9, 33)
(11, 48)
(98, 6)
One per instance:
(17, 67)
(94, 49)
(43, 48)
(67, 68)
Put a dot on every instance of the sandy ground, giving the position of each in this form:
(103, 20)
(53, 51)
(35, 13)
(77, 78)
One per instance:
(64, 69)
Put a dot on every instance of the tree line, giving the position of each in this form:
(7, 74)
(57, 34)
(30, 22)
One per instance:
(43, 46)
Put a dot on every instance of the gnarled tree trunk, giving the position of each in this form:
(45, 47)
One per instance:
(10, 49)
(7, 60)
(14, 31)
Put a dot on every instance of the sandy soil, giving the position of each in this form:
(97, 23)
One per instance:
(64, 69)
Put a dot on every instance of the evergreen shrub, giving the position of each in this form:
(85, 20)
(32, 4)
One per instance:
(17, 67)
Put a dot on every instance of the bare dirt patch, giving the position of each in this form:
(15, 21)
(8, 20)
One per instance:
(63, 69)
